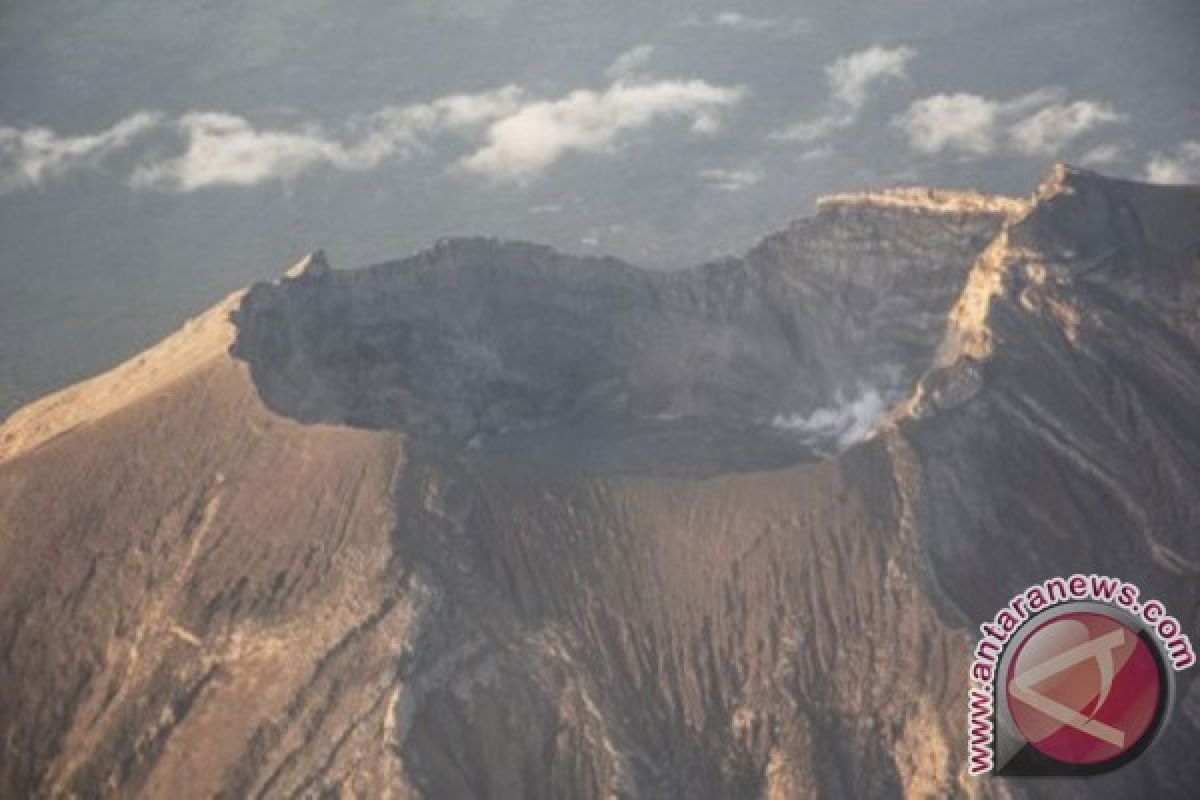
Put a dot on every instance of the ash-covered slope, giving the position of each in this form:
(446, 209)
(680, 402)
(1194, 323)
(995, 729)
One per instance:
(497, 522)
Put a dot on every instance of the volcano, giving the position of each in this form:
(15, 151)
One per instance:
(497, 521)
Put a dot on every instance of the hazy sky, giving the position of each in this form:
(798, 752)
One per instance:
(154, 158)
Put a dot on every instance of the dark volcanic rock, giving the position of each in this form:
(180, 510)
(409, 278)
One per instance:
(591, 364)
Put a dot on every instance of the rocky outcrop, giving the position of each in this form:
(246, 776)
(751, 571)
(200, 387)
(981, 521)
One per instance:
(497, 522)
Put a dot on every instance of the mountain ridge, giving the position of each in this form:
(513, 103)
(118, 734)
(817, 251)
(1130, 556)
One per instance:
(30, 425)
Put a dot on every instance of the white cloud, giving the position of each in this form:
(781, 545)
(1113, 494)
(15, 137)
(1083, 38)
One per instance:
(630, 61)
(1055, 126)
(522, 144)
(732, 180)
(1023, 104)
(851, 76)
(31, 156)
(1103, 155)
(510, 135)
(963, 122)
(745, 23)
(1182, 167)
(809, 131)
(851, 79)
(972, 125)
(741, 22)
(226, 150)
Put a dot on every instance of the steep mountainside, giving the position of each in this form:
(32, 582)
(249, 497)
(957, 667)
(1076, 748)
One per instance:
(494, 521)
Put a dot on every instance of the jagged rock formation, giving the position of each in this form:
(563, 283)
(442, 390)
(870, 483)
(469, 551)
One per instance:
(497, 522)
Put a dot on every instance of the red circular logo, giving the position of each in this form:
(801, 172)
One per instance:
(1084, 688)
